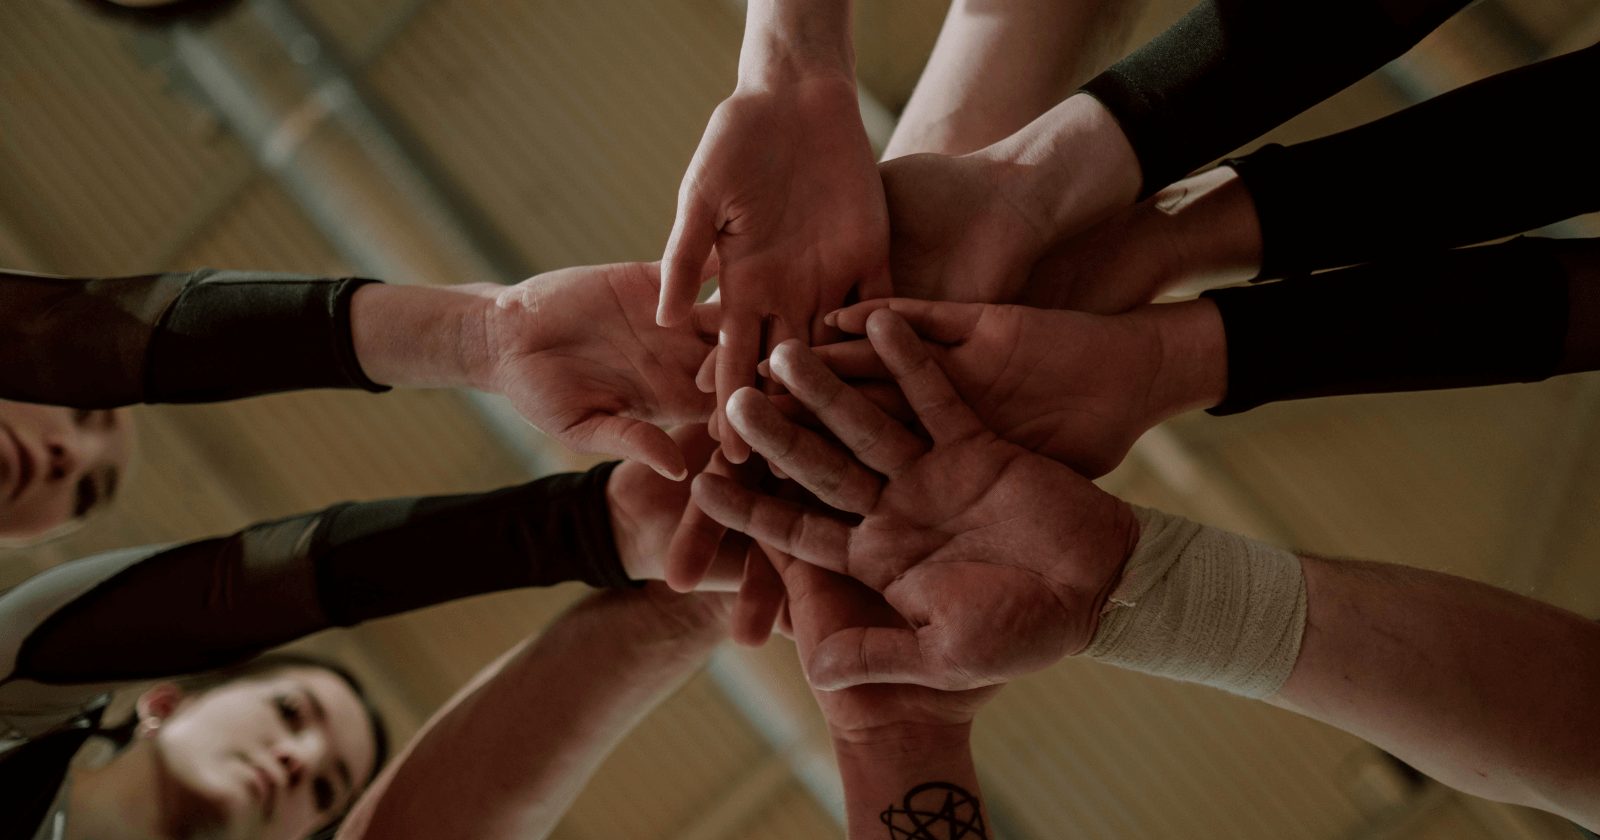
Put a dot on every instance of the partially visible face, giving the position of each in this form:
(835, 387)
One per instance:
(273, 757)
(57, 464)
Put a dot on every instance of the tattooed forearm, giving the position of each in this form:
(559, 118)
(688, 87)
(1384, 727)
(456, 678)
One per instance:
(936, 811)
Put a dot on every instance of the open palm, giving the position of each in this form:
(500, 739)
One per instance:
(998, 559)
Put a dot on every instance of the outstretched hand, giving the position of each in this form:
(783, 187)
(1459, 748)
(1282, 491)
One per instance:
(784, 189)
(578, 353)
(998, 559)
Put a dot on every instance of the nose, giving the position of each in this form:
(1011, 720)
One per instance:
(68, 452)
(294, 768)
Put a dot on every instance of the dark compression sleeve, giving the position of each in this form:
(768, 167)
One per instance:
(1230, 70)
(1502, 156)
(1474, 316)
(206, 604)
(183, 337)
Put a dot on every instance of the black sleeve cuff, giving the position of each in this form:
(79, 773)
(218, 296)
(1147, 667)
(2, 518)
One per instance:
(1476, 316)
(231, 334)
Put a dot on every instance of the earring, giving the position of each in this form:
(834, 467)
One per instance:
(148, 726)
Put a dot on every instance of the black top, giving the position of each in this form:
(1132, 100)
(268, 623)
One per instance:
(1232, 69)
(182, 337)
(70, 634)
(1515, 312)
(1499, 157)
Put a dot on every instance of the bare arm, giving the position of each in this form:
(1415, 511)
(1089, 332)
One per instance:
(1483, 689)
(509, 753)
(997, 66)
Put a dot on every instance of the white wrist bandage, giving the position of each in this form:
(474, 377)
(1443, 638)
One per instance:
(1203, 605)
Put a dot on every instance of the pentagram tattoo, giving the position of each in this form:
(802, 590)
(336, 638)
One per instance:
(936, 811)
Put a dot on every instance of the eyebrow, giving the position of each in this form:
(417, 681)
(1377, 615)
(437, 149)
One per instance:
(108, 484)
(338, 760)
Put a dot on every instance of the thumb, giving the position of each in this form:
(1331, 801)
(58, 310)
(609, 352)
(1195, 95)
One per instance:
(683, 265)
(628, 438)
(859, 655)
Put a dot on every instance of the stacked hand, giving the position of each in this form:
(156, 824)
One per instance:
(784, 189)
(970, 526)
(578, 354)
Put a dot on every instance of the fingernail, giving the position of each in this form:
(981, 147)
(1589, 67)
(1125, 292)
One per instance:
(764, 368)
(831, 319)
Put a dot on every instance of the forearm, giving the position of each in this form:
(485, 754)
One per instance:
(1487, 691)
(182, 337)
(1476, 316)
(422, 336)
(924, 777)
(1230, 71)
(787, 40)
(508, 754)
(1502, 156)
(997, 67)
(209, 603)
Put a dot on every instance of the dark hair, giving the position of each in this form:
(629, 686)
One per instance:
(121, 734)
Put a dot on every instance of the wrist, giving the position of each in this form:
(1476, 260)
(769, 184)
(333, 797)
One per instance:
(625, 527)
(1070, 167)
(1210, 221)
(1193, 352)
(789, 41)
(416, 336)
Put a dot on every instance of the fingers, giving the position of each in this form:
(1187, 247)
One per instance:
(698, 540)
(941, 410)
(706, 377)
(940, 321)
(801, 454)
(738, 350)
(694, 232)
(705, 318)
(632, 439)
(852, 360)
(812, 537)
(761, 596)
(857, 655)
(877, 439)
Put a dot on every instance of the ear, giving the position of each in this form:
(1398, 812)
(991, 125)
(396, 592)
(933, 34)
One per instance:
(158, 703)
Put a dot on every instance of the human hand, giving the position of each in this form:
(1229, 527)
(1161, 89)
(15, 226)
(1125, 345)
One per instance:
(999, 559)
(646, 508)
(1201, 231)
(961, 228)
(578, 354)
(1074, 387)
(783, 187)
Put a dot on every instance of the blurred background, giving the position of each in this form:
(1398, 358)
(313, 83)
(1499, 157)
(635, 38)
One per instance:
(442, 141)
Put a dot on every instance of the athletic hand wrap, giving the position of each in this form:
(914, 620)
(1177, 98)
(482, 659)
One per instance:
(1202, 605)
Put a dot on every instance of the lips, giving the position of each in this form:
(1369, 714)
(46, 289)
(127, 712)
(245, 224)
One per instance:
(265, 788)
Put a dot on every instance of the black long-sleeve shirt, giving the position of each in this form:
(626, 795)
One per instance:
(1520, 311)
(1230, 70)
(194, 336)
(1499, 157)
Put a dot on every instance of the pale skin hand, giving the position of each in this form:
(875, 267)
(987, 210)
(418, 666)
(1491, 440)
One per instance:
(973, 525)
(1073, 387)
(509, 753)
(1199, 232)
(998, 66)
(784, 189)
(888, 738)
(575, 350)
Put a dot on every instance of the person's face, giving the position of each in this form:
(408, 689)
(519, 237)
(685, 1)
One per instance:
(57, 464)
(273, 757)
